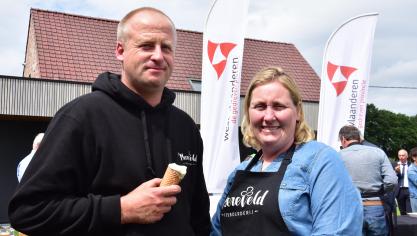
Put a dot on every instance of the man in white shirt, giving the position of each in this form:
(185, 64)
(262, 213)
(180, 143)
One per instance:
(25, 162)
(402, 193)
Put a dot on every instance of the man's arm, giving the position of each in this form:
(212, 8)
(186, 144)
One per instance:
(389, 176)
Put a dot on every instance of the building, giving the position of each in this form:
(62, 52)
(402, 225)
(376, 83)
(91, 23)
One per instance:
(65, 53)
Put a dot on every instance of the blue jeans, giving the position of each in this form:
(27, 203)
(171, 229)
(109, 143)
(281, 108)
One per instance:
(413, 202)
(374, 222)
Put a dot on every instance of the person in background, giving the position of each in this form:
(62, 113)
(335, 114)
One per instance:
(373, 175)
(390, 205)
(23, 164)
(293, 185)
(412, 180)
(402, 193)
(103, 154)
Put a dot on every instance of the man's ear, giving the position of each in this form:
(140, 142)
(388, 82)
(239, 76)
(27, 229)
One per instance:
(119, 51)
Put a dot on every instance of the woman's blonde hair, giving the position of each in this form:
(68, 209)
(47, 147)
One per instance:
(303, 132)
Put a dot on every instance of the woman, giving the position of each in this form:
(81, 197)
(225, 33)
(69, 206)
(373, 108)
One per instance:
(293, 185)
(412, 179)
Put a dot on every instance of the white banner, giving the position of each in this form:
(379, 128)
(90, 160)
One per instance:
(223, 43)
(345, 78)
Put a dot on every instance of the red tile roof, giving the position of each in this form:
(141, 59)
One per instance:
(78, 48)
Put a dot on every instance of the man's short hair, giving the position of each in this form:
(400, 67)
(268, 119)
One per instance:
(121, 27)
(350, 132)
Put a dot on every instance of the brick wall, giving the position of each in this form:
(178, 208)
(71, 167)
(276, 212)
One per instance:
(31, 68)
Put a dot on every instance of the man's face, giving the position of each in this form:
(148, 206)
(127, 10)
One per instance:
(147, 53)
(402, 155)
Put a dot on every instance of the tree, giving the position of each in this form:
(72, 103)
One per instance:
(390, 131)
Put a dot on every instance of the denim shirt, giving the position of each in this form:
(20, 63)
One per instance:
(316, 196)
(412, 180)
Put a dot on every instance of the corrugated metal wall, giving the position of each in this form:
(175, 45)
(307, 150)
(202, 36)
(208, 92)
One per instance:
(33, 97)
(190, 103)
(30, 97)
(311, 113)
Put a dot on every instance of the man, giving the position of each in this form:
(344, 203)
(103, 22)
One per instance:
(373, 175)
(388, 199)
(23, 164)
(103, 152)
(402, 191)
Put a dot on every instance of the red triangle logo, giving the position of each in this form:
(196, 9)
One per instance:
(225, 49)
(346, 71)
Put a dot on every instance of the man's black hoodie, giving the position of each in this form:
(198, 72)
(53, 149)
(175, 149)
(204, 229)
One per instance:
(101, 146)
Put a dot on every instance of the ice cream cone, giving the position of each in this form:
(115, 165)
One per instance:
(173, 174)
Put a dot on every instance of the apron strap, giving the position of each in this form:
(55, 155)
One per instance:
(254, 160)
(285, 162)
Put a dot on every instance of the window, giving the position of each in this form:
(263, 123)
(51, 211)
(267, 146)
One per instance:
(195, 84)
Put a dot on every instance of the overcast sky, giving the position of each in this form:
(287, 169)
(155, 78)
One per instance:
(306, 24)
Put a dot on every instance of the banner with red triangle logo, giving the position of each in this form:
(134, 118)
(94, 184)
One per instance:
(345, 78)
(223, 43)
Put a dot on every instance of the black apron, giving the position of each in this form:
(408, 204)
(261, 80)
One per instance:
(251, 207)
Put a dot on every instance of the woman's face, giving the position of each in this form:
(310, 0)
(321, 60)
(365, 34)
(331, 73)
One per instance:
(273, 116)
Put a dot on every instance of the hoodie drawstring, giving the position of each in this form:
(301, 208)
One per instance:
(147, 145)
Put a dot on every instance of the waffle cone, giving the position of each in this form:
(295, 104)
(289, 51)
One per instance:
(171, 177)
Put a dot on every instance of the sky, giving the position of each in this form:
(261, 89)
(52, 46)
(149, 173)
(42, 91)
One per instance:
(306, 24)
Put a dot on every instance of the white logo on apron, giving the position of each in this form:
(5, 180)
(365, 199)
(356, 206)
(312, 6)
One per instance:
(246, 198)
